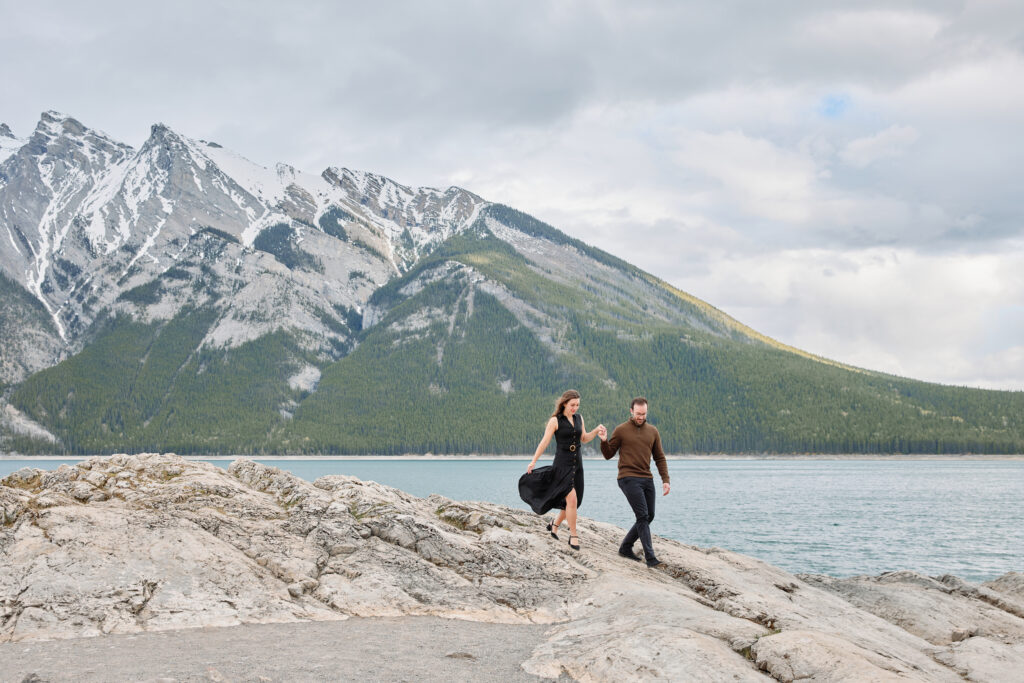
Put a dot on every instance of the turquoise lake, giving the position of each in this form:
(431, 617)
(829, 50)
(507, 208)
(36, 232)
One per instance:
(837, 517)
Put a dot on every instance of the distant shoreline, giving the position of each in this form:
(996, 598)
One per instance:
(432, 457)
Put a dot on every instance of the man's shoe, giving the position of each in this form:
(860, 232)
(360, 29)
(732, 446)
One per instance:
(629, 554)
(654, 562)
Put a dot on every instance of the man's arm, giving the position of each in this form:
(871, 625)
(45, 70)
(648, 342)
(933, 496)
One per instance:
(611, 446)
(659, 457)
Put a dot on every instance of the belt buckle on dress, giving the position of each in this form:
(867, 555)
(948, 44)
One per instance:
(572, 447)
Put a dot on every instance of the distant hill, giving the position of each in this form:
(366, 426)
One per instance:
(181, 298)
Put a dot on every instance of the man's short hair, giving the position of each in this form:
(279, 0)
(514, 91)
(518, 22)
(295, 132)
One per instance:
(639, 399)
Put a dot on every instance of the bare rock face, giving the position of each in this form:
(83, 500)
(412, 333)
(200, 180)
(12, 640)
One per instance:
(153, 542)
(107, 547)
(942, 611)
(1010, 584)
(981, 628)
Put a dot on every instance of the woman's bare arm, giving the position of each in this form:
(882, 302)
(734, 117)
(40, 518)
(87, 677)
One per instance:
(587, 437)
(549, 430)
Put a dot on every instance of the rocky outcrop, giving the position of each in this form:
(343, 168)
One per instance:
(153, 542)
(980, 627)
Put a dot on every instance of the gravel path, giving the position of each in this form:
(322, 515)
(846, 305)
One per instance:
(380, 649)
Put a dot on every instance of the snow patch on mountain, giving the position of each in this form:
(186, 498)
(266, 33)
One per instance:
(95, 204)
(260, 182)
(9, 144)
(167, 207)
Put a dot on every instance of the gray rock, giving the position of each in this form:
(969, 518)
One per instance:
(1009, 585)
(180, 544)
(940, 611)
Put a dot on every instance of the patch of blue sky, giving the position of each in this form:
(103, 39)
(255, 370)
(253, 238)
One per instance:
(834, 105)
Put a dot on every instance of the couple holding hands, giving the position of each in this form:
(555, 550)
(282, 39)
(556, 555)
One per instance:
(560, 485)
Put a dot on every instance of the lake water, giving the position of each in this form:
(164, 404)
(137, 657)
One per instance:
(837, 517)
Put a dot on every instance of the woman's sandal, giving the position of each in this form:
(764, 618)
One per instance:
(574, 547)
(551, 530)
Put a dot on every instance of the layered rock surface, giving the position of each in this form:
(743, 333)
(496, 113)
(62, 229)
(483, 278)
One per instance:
(153, 542)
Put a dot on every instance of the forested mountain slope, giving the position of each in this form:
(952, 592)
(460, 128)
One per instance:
(181, 298)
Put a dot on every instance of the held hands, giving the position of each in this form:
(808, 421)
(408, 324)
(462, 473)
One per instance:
(602, 432)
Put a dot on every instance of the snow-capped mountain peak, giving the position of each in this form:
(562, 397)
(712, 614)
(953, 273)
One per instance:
(85, 219)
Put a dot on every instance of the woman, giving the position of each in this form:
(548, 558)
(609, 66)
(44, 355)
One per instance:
(559, 485)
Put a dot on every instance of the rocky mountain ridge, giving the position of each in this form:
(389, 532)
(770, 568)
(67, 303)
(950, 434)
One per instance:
(88, 219)
(153, 542)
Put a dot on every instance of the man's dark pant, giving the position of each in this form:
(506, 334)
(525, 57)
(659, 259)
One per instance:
(640, 494)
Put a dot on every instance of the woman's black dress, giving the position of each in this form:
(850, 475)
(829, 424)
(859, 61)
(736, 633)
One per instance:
(546, 487)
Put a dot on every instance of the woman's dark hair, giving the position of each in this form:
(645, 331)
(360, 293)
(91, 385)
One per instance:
(566, 397)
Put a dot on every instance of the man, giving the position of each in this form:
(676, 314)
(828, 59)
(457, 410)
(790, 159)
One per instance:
(636, 442)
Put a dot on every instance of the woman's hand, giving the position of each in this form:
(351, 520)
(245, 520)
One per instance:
(529, 468)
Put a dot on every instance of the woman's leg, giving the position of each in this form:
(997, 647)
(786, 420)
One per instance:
(570, 511)
(559, 519)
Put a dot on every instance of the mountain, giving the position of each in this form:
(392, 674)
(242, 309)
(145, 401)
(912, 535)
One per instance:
(180, 297)
(97, 228)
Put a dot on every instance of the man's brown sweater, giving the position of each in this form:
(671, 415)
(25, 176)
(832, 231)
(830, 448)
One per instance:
(636, 445)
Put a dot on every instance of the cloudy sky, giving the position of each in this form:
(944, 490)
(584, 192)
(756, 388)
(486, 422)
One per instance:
(844, 177)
